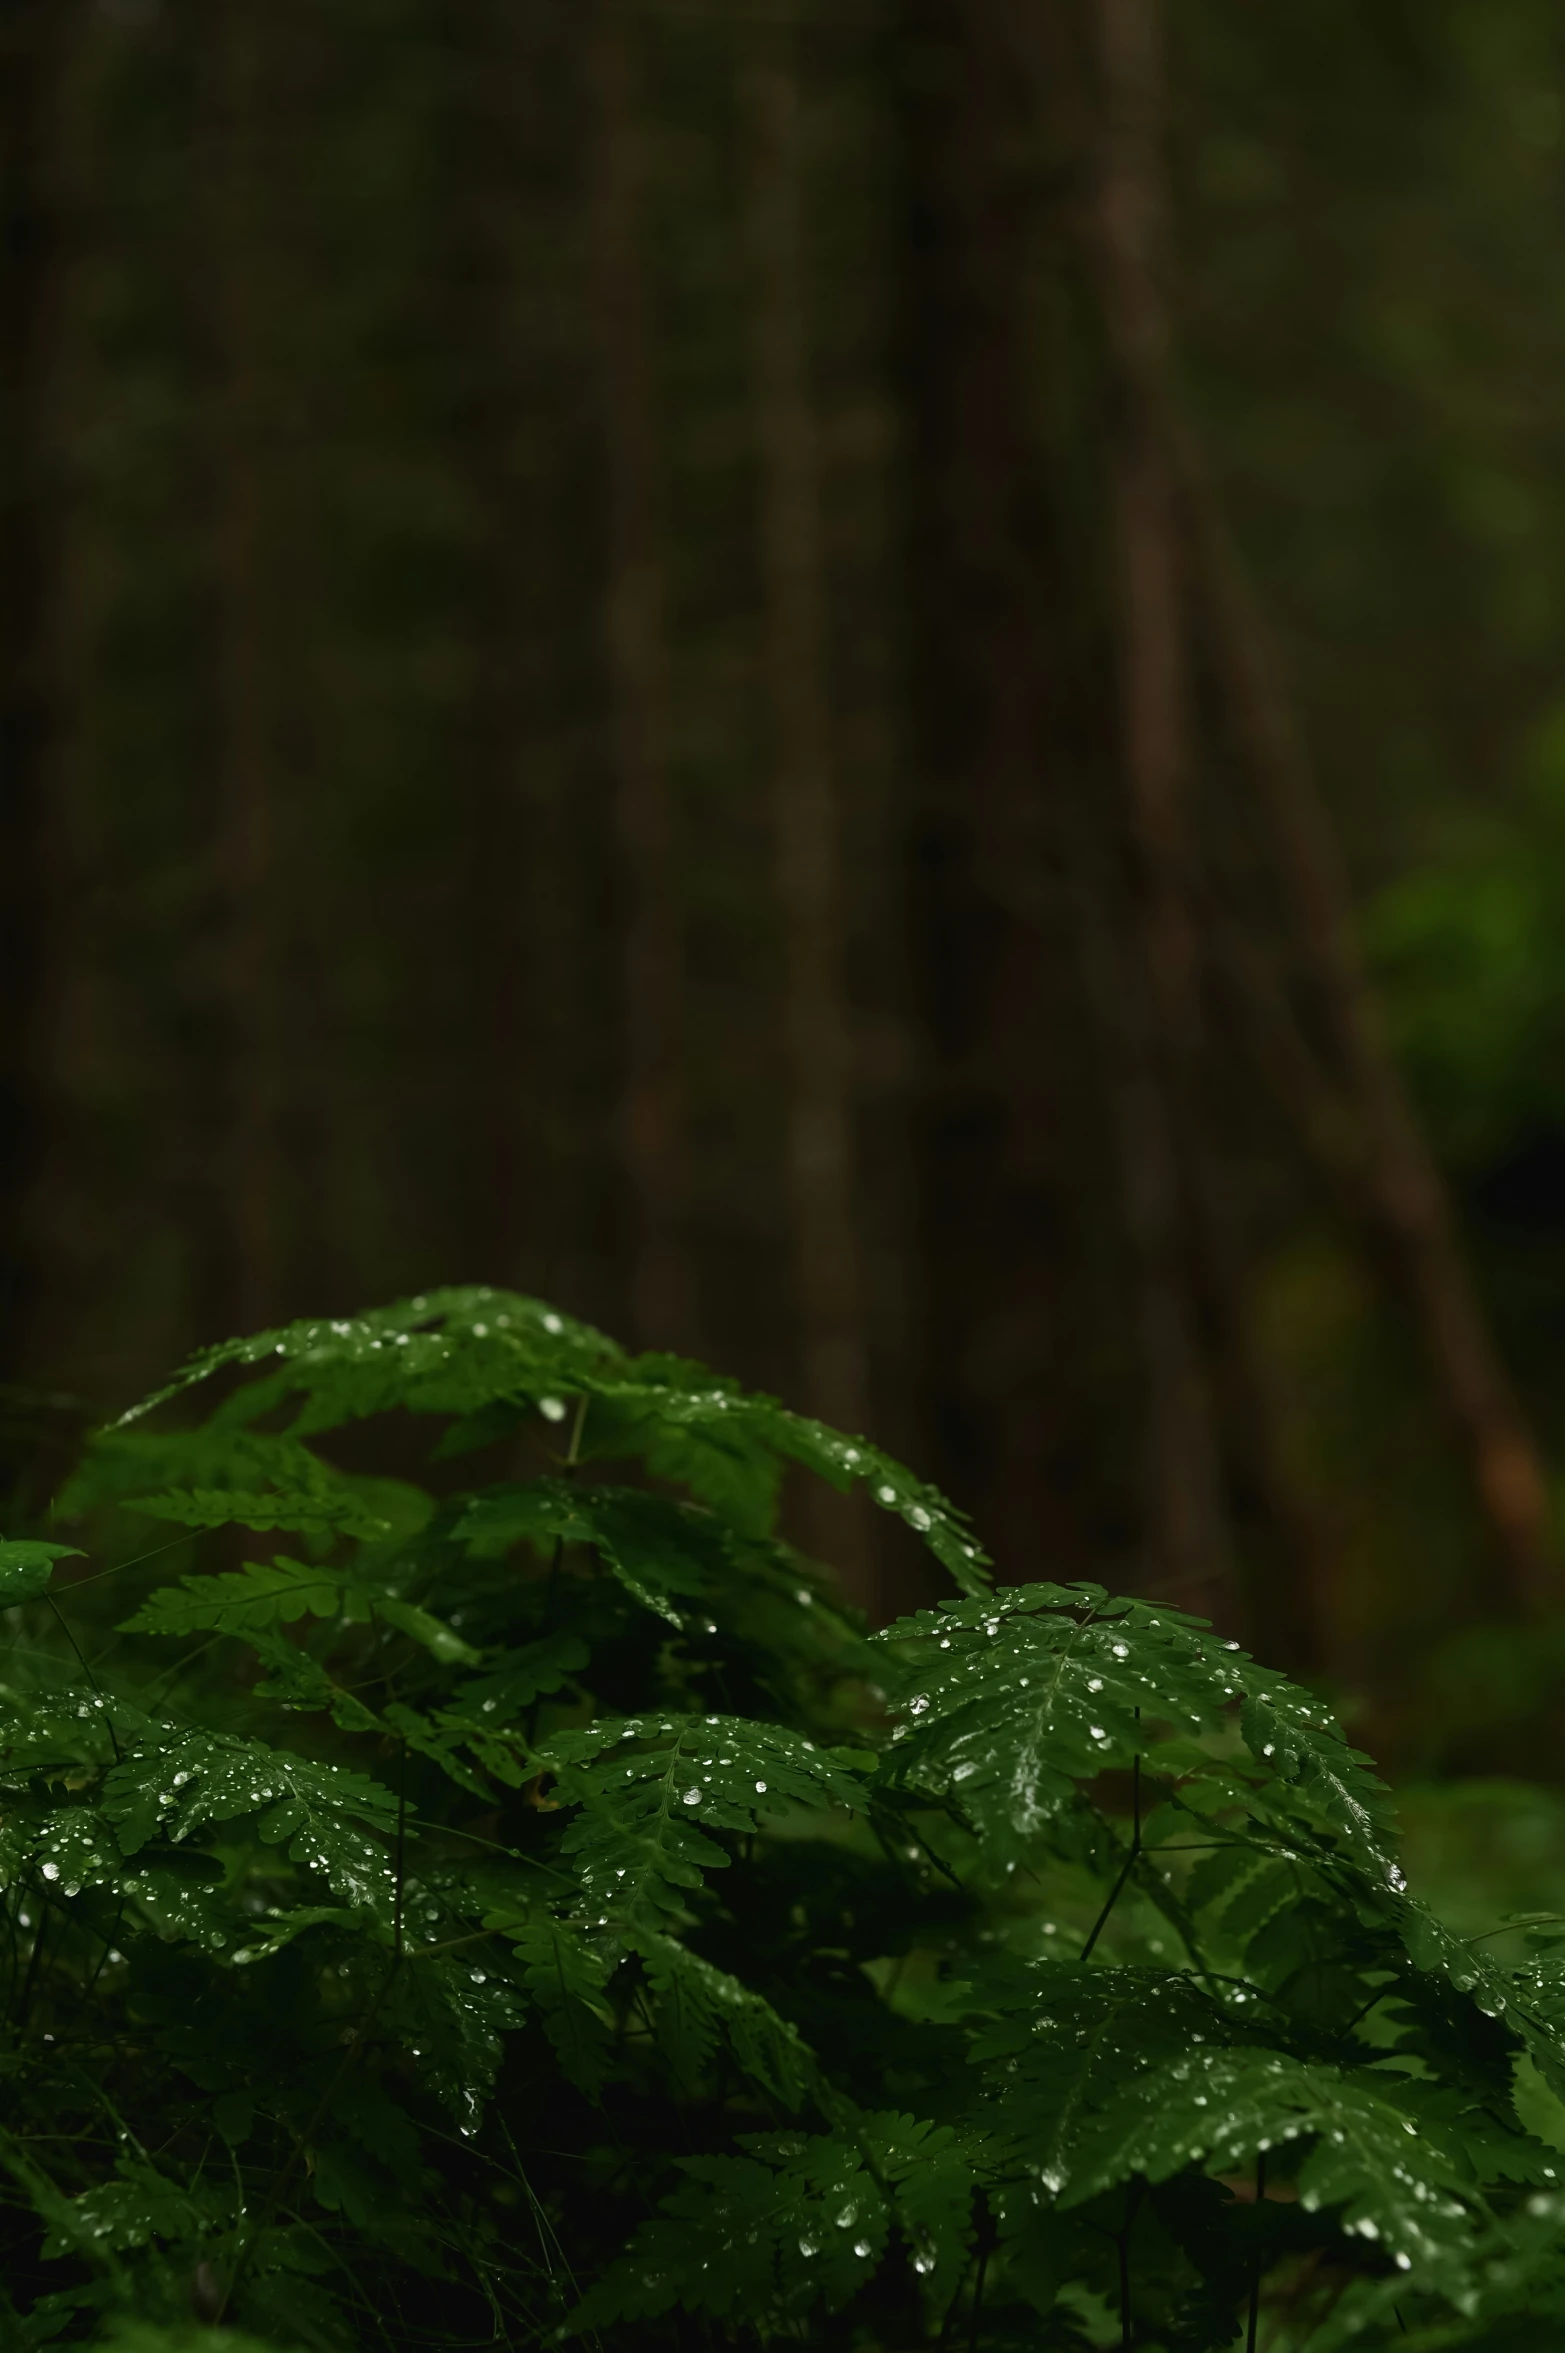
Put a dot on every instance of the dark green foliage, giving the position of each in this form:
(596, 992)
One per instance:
(534, 1910)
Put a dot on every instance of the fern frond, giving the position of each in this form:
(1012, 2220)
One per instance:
(261, 1596)
(1066, 2042)
(698, 2006)
(1010, 1701)
(1398, 2159)
(766, 2236)
(565, 1972)
(193, 1778)
(658, 1549)
(650, 1791)
(299, 1511)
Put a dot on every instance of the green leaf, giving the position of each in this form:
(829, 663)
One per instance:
(1396, 2156)
(257, 1597)
(515, 1679)
(25, 1568)
(240, 1601)
(1010, 1701)
(198, 1777)
(301, 1512)
(699, 2006)
(659, 1550)
(566, 1973)
(651, 1790)
(137, 2205)
(454, 2011)
(764, 2236)
(1068, 2039)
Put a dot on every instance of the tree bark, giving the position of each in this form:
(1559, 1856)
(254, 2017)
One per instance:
(661, 1305)
(1189, 1545)
(37, 38)
(246, 1160)
(987, 591)
(817, 1018)
(1388, 1164)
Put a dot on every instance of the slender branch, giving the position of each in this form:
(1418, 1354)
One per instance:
(985, 2243)
(301, 2145)
(1255, 2284)
(552, 1589)
(402, 1825)
(108, 1720)
(1122, 2242)
(1131, 1859)
(25, 2004)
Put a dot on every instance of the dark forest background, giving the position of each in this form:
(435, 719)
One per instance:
(875, 690)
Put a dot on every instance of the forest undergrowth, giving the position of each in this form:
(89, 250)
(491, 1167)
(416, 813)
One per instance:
(531, 1909)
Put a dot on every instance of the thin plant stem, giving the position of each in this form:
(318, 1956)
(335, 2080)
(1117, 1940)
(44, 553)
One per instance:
(134, 1562)
(1255, 2284)
(301, 2145)
(1124, 2286)
(402, 1828)
(81, 1661)
(978, 2295)
(25, 2003)
(1129, 1865)
(552, 1589)
(1132, 2204)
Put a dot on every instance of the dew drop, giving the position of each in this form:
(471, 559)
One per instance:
(885, 1495)
(552, 1323)
(552, 1408)
(760, 1789)
(692, 1797)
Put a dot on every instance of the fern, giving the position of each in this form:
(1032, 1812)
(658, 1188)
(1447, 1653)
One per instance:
(540, 1911)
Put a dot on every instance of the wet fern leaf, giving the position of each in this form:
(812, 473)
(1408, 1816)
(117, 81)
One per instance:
(538, 1908)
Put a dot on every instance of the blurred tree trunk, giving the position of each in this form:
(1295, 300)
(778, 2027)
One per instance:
(515, 886)
(817, 1019)
(246, 1159)
(1189, 1543)
(661, 1306)
(38, 39)
(1381, 1157)
(985, 569)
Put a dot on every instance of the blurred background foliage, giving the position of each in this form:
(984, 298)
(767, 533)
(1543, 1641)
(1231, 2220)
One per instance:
(566, 675)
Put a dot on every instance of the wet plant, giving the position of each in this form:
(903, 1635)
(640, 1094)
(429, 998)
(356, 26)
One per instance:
(527, 1907)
